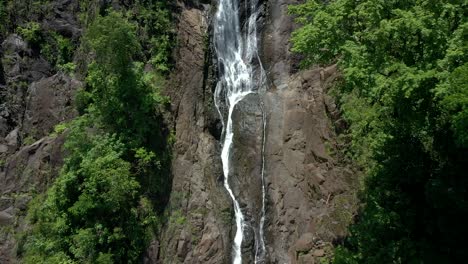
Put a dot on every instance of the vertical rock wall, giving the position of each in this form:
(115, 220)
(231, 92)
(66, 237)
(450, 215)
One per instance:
(310, 186)
(199, 216)
(33, 99)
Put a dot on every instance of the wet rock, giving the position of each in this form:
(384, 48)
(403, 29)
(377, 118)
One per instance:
(246, 168)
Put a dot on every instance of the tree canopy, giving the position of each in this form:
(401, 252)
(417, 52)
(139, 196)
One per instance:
(404, 94)
(103, 207)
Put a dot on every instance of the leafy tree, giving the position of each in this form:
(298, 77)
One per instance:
(127, 100)
(123, 96)
(31, 32)
(93, 213)
(102, 207)
(154, 19)
(404, 94)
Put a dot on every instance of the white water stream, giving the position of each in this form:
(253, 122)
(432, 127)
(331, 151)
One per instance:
(236, 51)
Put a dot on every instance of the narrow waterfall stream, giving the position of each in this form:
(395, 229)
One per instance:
(260, 249)
(241, 74)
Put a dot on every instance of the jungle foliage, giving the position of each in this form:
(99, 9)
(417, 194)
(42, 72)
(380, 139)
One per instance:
(404, 93)
(104, 205)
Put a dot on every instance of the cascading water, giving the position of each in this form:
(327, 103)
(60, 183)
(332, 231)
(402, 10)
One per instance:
(241, 74)
(260, 246)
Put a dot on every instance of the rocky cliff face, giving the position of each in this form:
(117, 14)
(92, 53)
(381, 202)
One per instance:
(33, 99)
(310, 186)
(199, 218)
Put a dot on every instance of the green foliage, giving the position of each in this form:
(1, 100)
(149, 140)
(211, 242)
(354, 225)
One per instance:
(28, 140)
(113, 39)
(154, 20)
(68, 68)
(31, 32)
(93, 212)
(16, 12)
(125, 99)
(101, 208)
(454, 95)
(405, 95)
(59, 129)
(58, 50)
(3, 17)
(83, 99)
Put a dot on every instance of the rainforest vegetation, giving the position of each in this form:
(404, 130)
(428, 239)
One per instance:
(106, 203)
(404, 93)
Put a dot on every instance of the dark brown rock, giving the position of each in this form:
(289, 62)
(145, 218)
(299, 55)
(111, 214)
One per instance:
(49, 102)
(310, 186)
(30, 170)
(33, 167)
(199, 211)
(306, 181)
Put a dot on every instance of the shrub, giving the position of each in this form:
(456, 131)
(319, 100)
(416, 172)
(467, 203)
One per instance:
(31, 32)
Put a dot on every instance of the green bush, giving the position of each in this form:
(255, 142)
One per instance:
(101, 208)
(93, 213)
(154, 20)
(58, 50)
(125, 100)
(3, 18)
(31, 32)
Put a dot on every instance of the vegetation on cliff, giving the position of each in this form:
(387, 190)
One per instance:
(405, 95)
(103, 206)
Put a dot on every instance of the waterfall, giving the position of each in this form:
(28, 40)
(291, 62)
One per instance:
(241, 74)
(260, 246)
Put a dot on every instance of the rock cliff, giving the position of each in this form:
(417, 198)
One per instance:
(310, 186)
(34, 98)
(199, 215)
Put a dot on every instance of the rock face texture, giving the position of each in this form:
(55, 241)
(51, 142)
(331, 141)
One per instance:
(310, 186)
(310, 189)
(199, 215)
(33, 100)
